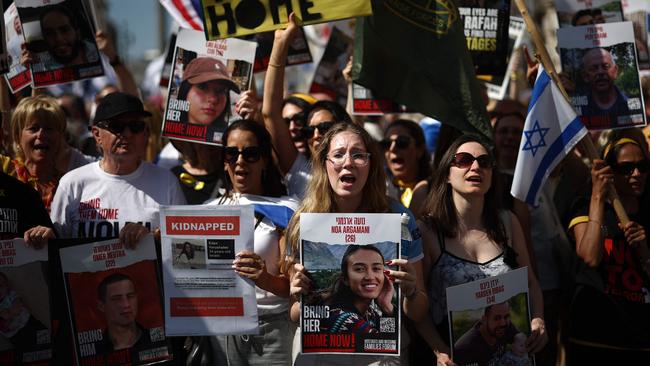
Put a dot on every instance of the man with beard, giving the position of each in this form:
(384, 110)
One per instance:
(485, 342)
(62, 34)
(605, 102)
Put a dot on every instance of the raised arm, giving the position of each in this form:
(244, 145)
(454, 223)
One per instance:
(124, 77)
(274, 94)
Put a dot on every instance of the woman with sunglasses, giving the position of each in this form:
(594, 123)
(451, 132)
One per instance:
(407, 160)
(348, 178)
(612, 283)
(320, 117)
(294, 113)
(252, 178)
(466, 238)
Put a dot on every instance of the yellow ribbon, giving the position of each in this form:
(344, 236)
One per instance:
(407, 193)
(190, 181)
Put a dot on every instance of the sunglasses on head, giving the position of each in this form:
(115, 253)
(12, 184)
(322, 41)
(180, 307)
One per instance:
(628, 167)
(308, 131)
(118, 127)
(251, 154)
(401, 142)
(465, 160)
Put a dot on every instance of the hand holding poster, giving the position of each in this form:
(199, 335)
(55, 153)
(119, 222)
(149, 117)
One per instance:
(489, 320)
(234, 18)
(25, 334)
(18, 76)
(114, 301)
(354, 306)
(206, 80)
(203, 294)
(601, 65)
(61, 41)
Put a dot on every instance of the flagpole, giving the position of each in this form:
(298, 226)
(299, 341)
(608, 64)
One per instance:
(586, 142)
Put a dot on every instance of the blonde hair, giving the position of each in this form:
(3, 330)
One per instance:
(39, 108)
(319, 196)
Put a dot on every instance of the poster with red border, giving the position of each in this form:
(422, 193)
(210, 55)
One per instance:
(25, 319)
(203, 294)
(354, 305)
(115, 303)
(60, 35)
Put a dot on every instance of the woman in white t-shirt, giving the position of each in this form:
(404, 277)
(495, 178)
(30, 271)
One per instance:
(252, 178)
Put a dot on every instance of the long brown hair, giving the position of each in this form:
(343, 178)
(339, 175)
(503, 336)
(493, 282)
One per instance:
(440, 210)
(319, 196)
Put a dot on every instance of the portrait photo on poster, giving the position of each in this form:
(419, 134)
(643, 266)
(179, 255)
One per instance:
(60, 38)
(206, 81)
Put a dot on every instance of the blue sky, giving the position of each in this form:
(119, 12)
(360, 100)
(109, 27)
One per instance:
(138, 18)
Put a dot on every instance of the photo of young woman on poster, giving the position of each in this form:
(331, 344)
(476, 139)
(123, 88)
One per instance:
(361, 294)
(206, 86)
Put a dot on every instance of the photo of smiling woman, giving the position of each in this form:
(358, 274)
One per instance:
(362, 293)
(206, 86)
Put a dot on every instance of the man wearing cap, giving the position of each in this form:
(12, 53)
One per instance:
(120, 195)
(206, 85)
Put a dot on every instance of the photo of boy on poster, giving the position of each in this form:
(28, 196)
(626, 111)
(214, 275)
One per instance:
(201, 91)
(24, 315)
(117, 315)
(60, 41)
(607, 90)
(356, 298)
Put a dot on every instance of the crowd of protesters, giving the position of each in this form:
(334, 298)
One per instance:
(464, 224)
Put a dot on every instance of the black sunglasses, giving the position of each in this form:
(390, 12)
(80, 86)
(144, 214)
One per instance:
(628, 167)
(251, 154)
(465, 160)
(308, 131)
(298, 118)
(401, 142)
(118, 127)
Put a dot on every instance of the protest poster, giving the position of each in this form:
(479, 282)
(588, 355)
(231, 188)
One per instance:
(299, 52)
(328, 78)
(166, 71)
(497, 86)
(25, 322)
(206, 80)
(485, 24)
(495, 307)
(61, 39)
(365, 103)
(600, 62)
(354, 307)
(571, 13)
(114, 303)
(4, 54)
(203, 294)
(636, 11)
(235, 18)
(18, 76)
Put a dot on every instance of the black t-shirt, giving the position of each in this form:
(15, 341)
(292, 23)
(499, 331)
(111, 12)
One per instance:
(190, 184)
(21, 208)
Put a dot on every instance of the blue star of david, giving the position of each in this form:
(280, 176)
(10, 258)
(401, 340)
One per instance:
(528, 145)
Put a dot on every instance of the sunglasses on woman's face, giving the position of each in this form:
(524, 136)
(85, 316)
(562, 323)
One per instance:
(118, 127)
(251, 154)
(628, 167)
(465, 160)
(401, 142)
(308, 131)
(298, 119)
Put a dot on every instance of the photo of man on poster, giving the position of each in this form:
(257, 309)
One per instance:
(118, 299)
(599, 71)
(485, 342)
(63, 37)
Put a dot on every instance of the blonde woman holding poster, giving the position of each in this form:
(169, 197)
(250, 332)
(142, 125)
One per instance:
(348, 178)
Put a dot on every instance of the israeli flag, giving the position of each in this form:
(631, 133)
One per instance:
(552, 129)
